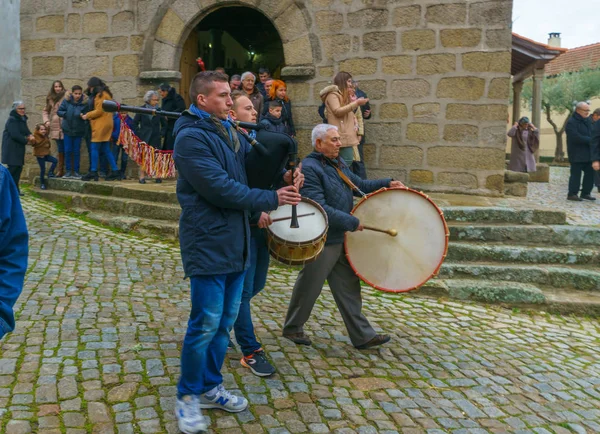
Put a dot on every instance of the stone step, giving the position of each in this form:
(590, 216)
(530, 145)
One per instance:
(150, 192)
(586, 278)
(163, 229)
(524, 295)
(125, 189)
(489, 214)
(114, 205)
(499, 252)
(557, 235)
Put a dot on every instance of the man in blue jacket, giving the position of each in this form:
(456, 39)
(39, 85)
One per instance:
(13, 250)
(215, 241)
(323, 184)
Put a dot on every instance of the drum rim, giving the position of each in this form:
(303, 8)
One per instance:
(301, 243)
(446, 239)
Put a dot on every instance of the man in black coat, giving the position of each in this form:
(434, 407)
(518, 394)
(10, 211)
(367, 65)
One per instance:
(579, 149)
(171, 102)
(596, 146)
(596, 149)
(14, 139)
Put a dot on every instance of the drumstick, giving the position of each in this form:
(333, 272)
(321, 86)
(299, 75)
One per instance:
(391, 232)
(280, 219)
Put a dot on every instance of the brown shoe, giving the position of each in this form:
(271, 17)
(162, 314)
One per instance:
(377, 340)
(298, 338)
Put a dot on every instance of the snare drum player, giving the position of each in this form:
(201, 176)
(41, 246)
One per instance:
(254, 356)
(215, 242)
(323, 172)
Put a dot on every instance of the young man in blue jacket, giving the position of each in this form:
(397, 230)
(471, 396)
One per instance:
(13, 250)
(215, 241)
(324, 185)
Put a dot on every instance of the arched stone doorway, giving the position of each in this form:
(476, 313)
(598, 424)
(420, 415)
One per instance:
(237, 38)
(173, 26)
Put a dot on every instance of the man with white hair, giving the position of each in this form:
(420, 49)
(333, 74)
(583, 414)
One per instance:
(324, 182)
(579, 149)
(248, 85)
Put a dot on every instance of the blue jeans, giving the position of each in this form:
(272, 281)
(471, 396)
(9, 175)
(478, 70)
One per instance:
(42, 162)
(72, 151)
(255, 280)
(215, 305)
(102, 149)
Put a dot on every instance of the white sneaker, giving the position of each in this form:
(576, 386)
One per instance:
(189, 415)
(220, 398)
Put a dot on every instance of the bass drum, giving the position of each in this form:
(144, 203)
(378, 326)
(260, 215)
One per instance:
(406, 261)
(298, 246)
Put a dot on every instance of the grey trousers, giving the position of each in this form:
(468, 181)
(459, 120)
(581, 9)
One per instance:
(345, 287)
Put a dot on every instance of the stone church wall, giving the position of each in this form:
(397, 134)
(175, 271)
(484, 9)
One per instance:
(10, 66)
(436, 71)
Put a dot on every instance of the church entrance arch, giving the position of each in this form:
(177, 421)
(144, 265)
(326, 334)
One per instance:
(236, 38)
(237, 35)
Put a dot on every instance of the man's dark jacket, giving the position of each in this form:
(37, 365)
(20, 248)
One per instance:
(13, 250)
(173, 102)
(596, 141)
(579, 137)
(323, 184)
(215, 200)
(14, 139)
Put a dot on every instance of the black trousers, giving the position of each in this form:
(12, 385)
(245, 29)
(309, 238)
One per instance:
(15, 173)
(575, 179)
(597, 178)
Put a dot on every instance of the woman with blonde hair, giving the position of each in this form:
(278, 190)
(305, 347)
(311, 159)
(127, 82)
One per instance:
(53, 122)
(340, 112)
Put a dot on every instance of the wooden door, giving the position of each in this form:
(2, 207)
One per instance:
(188, 65)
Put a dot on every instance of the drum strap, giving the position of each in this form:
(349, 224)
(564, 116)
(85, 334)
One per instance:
(345, 178)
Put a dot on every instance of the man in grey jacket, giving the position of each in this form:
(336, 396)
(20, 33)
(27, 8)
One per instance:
(323, 184)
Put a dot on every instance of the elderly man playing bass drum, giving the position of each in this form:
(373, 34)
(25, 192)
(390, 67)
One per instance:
(328, 180)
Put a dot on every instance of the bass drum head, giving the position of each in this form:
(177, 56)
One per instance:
(311, 227)
(408, 260)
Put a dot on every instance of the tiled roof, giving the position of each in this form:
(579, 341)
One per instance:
(575, 59)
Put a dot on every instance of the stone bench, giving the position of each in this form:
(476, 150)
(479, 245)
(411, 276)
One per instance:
(515, 183)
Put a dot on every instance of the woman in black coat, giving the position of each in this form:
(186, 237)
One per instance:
(14, 139)
(149, 128)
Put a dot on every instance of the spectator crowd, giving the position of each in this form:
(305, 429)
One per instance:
(75, 116)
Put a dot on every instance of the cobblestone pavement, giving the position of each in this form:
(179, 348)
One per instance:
(102, 317)
(554, 195)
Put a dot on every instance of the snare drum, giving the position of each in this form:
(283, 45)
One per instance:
(406, 261)
(298, 246)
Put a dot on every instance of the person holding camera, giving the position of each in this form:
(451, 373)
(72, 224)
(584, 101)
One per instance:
(525, 142)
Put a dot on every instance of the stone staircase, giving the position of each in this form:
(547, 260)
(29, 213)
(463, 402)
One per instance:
(509, 255)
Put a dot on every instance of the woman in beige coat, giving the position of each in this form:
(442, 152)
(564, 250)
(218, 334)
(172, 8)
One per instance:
(53, 122)
(340, 112)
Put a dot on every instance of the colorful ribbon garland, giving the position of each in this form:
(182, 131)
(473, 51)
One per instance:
(156, 163)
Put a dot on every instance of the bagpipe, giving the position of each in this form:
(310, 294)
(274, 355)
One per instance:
(269, 155)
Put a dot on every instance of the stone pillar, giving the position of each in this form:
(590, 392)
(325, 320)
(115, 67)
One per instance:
(517, 88)
(536, 107)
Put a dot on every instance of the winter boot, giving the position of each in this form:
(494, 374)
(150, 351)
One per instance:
(61, 165)
(90, 176)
